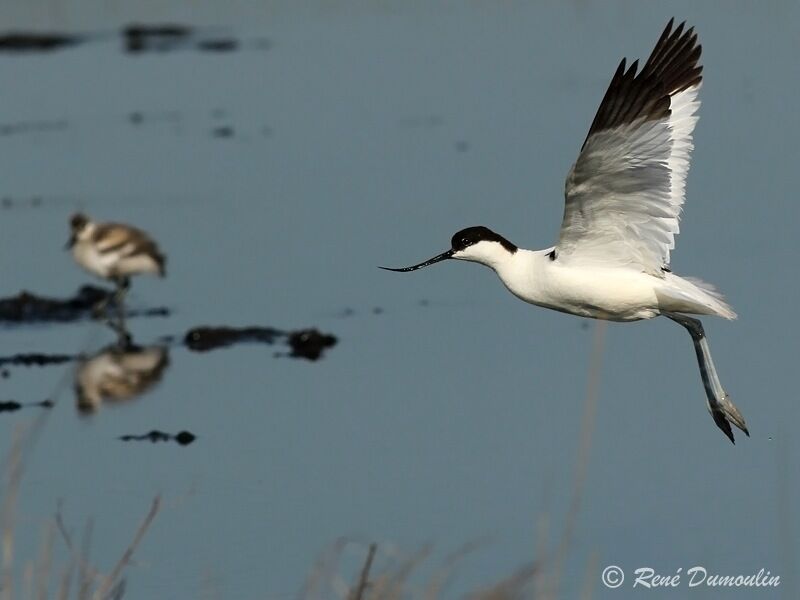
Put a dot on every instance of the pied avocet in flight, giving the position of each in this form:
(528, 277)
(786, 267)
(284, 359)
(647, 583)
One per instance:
(623, 201)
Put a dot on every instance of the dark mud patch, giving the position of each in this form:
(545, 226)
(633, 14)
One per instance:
(19, 42)
(27, 307)
(304, 343)
(184, 438)
(13, 405)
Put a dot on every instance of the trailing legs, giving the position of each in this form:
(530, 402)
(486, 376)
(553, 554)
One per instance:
(719, 403)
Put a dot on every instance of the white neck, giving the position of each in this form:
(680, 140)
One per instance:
(519, 271)
(87, 232)
(492, 254)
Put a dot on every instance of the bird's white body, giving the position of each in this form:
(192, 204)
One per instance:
(610, 293)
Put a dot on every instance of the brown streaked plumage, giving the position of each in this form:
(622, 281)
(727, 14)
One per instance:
(114, 251)
(127, 241)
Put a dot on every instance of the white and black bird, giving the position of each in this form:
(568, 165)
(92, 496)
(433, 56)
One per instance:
(623, 200)
(114, 251)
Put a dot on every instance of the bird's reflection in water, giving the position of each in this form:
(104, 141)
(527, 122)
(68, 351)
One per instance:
(117, 373)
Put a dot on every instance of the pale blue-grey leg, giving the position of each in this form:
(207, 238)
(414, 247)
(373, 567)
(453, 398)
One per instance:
(123, 284)
(719, 402)
(118, 325)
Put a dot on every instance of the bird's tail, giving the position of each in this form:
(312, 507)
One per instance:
(718, 303)
(695, 296)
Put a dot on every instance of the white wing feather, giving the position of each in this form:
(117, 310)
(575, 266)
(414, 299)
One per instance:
(624, 194)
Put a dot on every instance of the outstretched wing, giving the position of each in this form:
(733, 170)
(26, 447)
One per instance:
(624, 194)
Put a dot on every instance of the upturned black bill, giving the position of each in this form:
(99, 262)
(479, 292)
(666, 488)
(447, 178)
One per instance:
(435, 259)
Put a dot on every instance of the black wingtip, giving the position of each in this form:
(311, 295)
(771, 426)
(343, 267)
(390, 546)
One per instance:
(671, 68)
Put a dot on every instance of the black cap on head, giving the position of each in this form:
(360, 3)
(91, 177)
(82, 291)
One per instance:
(462, 240)
(472, 235)
(78, 221)
(76, 224)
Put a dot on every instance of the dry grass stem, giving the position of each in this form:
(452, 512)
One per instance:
(107, 585)
(582, 461)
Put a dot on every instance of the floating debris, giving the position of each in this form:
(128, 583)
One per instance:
(218, 45)
(305, 343)
(225, 131)
(29, 41)
(27, 307)
(13, 405)
(138, 38)
(203, 339)
(159, 38)
(184, 438)
(35, 359)
(310, 343)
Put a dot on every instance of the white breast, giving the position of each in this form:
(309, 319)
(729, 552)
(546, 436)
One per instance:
(87, 256)
(614, 294)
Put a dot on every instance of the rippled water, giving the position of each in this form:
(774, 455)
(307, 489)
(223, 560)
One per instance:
(277, 175)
